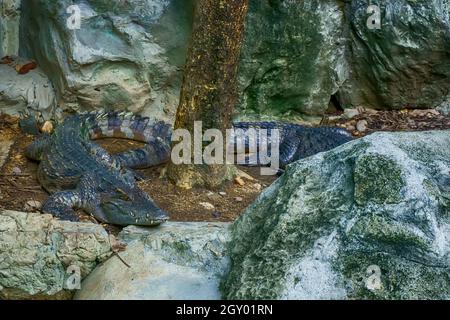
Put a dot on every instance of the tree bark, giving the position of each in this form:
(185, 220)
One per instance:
(209, 90)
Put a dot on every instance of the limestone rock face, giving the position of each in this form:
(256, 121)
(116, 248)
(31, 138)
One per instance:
(21, 91)
(183, 261)
(298, 57)
(293, 57)
(405, 63)
(43, 258)
(368, 220)
(9, 27)
(121, 55)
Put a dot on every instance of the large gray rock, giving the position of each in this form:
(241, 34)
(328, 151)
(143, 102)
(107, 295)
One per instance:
(5, 146)
(406, 63)
(126, 54)
(297, 57)
(40, 257)
(370, 219)
(293, 57)
(182, 261)
(19, 92)
(9, 27)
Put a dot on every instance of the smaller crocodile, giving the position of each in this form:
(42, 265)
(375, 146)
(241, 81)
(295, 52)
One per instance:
(296, 142)
(79, 174)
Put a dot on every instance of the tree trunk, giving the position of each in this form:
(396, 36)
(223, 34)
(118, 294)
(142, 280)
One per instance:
(209, 90)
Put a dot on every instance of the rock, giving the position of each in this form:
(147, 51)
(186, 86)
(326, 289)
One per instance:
(368, 220)
(223, 194)
(444, 108)
(125, 55)
(293, 57)
(21, 91)
(238, 199)
(16, 171)
(239, 181)
(175, 261)
(207, 205)
(5, 147)
(351, 113)
(32, 206)
(216, 214)
(404, 63)
(47, 127)
(361, 126)
(243, 175)
(38, 254)
(297, 56)
(257, 186)
(9, 27)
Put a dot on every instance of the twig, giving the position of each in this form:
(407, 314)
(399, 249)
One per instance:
(120, 258)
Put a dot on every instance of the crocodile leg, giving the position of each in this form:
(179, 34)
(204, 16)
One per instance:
(36, 149)
(90, 198)
(61, 205)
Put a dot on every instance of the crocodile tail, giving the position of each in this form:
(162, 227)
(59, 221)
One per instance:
(126, 125)
(155, 134)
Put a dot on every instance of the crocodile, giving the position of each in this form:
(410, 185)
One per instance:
(296, 141)
(79, 174)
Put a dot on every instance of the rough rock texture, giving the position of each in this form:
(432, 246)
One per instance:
(9, 27)
(444, 108)
(126, 54)
(298, 56)
(37, 254)
(406, 63)
(369, 219)
(5, 145)
(293, 57)
(175, 261)
(18, 92)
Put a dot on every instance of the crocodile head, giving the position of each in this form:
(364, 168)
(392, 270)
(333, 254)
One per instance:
(129, 205)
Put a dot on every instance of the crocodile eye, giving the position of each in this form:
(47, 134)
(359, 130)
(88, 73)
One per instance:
(123, 195)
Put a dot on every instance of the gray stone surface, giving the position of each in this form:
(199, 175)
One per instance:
(5, 145)
(19, 92)
(175, 261)
(126, 54)
(297, 58)
(293, 57)
(368, 220)
(403, 64)
(9, 27)
(37, 254)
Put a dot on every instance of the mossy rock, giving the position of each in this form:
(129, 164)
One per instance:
(336, 221)
(378, 179)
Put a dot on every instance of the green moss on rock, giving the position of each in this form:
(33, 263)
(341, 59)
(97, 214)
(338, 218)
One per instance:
(378, 179)
(332, 219)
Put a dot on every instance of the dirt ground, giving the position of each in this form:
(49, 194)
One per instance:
(18, 184)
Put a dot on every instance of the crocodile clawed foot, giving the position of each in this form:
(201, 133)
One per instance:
(65, 214)
(60, 205)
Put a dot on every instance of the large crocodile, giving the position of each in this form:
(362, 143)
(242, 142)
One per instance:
(78, 173)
